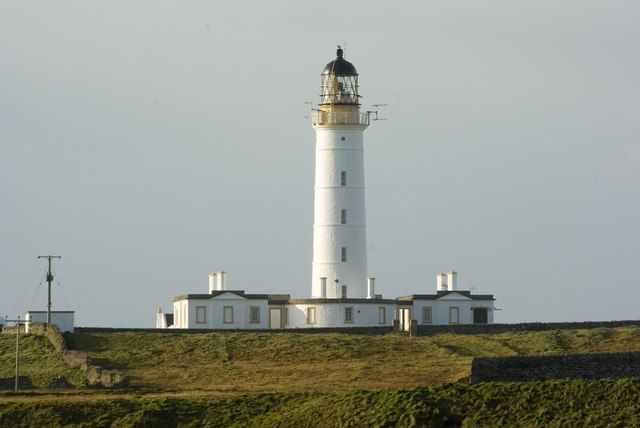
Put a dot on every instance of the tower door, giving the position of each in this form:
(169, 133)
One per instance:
(275, 318)
(479, 315)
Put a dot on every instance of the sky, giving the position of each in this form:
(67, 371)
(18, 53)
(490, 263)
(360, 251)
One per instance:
(149, 143)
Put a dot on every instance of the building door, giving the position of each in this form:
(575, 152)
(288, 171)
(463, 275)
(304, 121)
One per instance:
(404, 316)
(454, 315)
(275, 318)
(479, 315)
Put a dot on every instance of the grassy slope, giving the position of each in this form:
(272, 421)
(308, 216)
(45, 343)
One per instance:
(550, 403)
(38, 360)
(268, 362)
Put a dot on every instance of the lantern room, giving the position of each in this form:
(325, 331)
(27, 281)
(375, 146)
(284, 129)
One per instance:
(339, 82)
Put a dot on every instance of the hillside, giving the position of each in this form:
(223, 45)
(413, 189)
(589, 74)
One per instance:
(551, 403)
(38, 360)
(269, 362)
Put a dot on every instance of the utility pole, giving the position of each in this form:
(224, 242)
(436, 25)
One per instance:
(17, 321)
(49, 281)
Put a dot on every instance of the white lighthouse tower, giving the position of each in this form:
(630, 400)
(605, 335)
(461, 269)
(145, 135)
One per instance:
(339, 235)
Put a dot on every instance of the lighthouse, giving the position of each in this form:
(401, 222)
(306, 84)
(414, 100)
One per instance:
(342, 295)
(339, 227)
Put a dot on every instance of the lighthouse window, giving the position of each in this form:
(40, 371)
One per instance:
(348, 314)
(382, 318)
(343, 254)
(342, 138)
(427, 317)
(254, 314)
(311, 315)
(343, 216)
(201, 314)
(343, 178)
(227, 314)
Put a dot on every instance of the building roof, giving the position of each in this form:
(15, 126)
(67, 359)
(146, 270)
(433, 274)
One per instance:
(53, 312)
(325, 300)
(340, 66)
(443, 293)
(239, 293)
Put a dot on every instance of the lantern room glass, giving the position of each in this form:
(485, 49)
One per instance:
(337, 89)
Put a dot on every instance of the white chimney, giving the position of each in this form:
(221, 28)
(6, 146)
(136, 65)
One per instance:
(371, 287)
(441, 282)
(451, 279)
(323, 287)
(212, 282)
(222, 280)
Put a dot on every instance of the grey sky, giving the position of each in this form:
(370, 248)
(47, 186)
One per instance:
(150, 143)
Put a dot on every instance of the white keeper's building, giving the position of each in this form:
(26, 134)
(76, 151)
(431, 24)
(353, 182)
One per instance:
(342, 292)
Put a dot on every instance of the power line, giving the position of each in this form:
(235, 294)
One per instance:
(63, 296)
(26, 289)
(35, 293)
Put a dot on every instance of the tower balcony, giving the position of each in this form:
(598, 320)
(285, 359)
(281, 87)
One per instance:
(328, 118)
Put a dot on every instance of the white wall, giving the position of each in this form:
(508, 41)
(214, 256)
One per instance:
(333, 156)
(63, 319)
(440, 309)
(332, 315)
(214, 312)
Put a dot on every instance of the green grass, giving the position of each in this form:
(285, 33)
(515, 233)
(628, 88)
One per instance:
(548, 404)
(38, 360)
(242, 362)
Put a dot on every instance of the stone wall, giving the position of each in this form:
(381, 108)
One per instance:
(423, 330)
(430, 330)
(94, 375)
(567, 366)
(369, 331)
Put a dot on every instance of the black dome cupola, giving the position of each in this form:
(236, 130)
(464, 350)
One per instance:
(339, 82)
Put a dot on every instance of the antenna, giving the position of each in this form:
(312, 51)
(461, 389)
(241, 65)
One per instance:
(311, 109)
(375, 112)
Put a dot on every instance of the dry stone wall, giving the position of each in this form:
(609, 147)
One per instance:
(94, 375)
(521, 368)
(430, 330)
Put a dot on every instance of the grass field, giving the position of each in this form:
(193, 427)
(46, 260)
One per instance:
(550, 403)
(38, 360)
(324, 379)
(270, 362)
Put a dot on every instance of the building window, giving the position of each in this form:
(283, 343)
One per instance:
(311, 315)
(285, 316)
(201, 314)
(427, 316)
(454, 315)
(382, 315)
(343, 254)
(254, 314)
(344, 292)
(348, 314)
(227, 314)
(343, 178)
(184, 315)
(343, 216)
